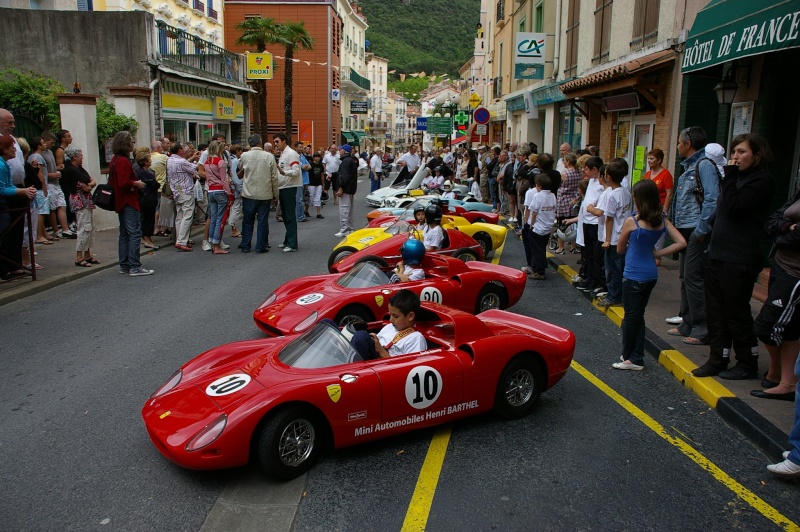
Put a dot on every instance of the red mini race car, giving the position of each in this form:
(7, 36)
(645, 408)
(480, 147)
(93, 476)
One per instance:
(386, 253)
(278, 401)
(363, 293)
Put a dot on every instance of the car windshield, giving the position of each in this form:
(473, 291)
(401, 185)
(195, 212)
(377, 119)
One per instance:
(321, 347)
(364, 275)
(397, 228)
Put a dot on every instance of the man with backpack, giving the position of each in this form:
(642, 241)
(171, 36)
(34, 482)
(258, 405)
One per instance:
(695, 202)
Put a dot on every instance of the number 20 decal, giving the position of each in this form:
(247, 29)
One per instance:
(423, 387)
(431, 294)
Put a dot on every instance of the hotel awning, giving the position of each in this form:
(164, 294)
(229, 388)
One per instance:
(725, 30)
(350, 137)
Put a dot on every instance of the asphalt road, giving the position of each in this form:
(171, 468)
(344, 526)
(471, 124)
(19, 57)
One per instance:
(80, 360)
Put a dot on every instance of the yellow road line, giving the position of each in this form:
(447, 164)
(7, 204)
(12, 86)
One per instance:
(723, 478)
(420, 505)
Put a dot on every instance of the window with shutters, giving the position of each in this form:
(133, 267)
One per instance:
(538, 24)
(85, 5)
(573, 23)
(645, 23)
(602, 30)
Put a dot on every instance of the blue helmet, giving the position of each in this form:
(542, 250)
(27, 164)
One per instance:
(413, 251)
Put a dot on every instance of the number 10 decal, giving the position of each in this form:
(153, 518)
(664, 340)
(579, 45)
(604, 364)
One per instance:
(423, 387)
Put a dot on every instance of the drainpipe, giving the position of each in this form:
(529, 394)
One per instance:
(153, 127)
(557, 44)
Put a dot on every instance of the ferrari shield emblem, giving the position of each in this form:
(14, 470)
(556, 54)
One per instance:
(379, 300)
(334, 392)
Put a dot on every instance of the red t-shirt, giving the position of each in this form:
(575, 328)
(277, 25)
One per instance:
(663, 181)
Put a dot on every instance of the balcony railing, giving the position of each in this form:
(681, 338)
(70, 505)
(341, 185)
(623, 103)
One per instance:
(199, 7)
(212, 13)
(190, 52)
(348, 74)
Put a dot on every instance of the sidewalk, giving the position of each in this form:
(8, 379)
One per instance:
(58, 260)
(765, 422)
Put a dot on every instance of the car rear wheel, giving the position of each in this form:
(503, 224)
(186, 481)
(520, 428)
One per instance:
(289, 442)
(339, 254)
(519, 387)
(465, 254)
(376, 260)
(490, 297)
(352, 313)
(485, 241)
(479, 221)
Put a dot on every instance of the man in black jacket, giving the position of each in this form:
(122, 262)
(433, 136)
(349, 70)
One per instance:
(348, 180)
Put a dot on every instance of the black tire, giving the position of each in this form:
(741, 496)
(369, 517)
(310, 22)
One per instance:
(519, 387)
(289, 442)
(380, 262)
(465, 254)
(485, 241)
(491, 296)
(340, 253)
(352, 313)
(479, 221)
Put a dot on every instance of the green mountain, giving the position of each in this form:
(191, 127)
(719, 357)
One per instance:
(422, 35)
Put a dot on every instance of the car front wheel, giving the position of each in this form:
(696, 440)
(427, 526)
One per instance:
(339, 254)
(491, 297)
(289, 442)
(519, 387)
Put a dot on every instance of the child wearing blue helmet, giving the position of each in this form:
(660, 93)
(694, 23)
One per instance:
(408, 269)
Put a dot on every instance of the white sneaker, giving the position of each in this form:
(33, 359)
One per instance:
(340, 234)
(223, 245)
(627, 366)
(140, 272)
(578, 279)
(786, 454)
(207, 245)
(674, 320)
(288, 250)
(786, 469)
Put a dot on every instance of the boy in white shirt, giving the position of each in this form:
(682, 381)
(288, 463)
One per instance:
(448, 191)
(598, 210)
(540, 215)
(395, 338)
(617, 209)
(433, 235)
(588, 226)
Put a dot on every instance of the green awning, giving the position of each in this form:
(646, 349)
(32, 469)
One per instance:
(725, 30)
(350, 137)
(359, 135)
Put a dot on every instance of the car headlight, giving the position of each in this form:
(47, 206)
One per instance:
(208, 435)
(270, 300)
(170, 384)
(306, 323)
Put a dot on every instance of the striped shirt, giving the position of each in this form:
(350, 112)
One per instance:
(181, 174)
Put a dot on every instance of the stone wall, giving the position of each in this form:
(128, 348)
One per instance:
(100, 49)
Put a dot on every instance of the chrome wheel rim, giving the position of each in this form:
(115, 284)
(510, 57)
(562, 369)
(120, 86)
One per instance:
(465, 257)
(519, 388)
(341, 256)
(490, 301)
(296, 442)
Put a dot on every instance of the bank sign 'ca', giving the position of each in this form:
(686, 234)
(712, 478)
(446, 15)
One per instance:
(259, 66)
(529, 49)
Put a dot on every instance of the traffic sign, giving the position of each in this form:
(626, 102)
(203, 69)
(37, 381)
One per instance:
(440, 125)
(482, 115)
(475, 100)
(481, 129)
(422, 123)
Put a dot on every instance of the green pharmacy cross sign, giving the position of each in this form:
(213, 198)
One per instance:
(461, 118)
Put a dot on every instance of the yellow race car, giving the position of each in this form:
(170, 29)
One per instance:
(489, 236)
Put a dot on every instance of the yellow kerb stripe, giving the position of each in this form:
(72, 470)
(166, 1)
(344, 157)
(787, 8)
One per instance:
(746, 495)
(420, 505)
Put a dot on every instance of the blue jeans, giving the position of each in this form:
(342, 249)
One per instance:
(794, 435)
(374, 181)
(493, 191)
(615, 265)
(217, 202)
(301, 208)
(130, 238)
(287, 198)
(250, 209)
(635, 296)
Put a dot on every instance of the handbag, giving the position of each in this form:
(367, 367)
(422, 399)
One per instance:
(103, 195)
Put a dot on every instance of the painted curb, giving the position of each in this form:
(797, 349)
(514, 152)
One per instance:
(769, 438)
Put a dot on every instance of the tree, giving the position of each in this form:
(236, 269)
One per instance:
(293, 36)
(258, 33)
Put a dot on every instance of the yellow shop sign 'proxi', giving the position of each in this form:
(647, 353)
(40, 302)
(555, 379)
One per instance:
(259, 66)
(224, 108)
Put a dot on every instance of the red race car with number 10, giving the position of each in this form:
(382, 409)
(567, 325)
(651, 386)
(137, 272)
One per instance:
(278, 401)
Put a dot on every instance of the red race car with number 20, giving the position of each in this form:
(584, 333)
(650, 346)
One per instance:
(279, 401)
(363, 293)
